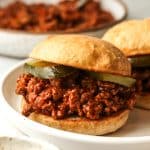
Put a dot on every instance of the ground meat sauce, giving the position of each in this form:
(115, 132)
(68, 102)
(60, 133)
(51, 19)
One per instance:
(73, 96)
(143, 79)
(64, 16)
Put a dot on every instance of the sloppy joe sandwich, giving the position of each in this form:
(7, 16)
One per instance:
(77, 83)
(133, 38)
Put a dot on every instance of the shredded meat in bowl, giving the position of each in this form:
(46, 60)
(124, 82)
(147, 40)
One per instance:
(65, 16)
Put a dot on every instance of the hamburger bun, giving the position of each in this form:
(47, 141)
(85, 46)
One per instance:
(81, 125)
(131, 37)
(85, 126)
(84, 52)
(143, 101)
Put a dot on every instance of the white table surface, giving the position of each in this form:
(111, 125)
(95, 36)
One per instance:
(137, 9)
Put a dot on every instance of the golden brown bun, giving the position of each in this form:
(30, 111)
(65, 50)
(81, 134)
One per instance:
(83, 52)
(143, 101)
(132, 37)
(84, 126)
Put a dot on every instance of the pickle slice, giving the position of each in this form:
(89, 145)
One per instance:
(122, 80)
(141, 61)
(48, 70)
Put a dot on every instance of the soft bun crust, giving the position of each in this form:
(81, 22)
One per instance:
(82, 52)
(84, 126)
(132, 37)
(143, 101)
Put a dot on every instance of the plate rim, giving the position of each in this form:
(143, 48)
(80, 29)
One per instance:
(31, 141)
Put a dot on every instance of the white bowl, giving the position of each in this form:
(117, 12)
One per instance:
(135, 135)
(19, 44)
(23, 143)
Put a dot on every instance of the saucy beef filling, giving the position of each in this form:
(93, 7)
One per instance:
(65, 16)
(142, 74)
(78, 95)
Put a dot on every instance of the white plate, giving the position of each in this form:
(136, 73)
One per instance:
(23, 143)
(19, 44)
(135, 135)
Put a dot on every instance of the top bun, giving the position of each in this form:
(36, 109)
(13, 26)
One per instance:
(84, 52)
(132, 37)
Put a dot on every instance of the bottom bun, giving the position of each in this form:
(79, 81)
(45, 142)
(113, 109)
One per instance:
(85, 126)
(143, 101)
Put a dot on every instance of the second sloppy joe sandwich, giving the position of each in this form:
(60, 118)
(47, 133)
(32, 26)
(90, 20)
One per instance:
(133, 39)
(77, 83)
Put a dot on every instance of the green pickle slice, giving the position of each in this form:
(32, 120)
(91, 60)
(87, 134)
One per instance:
(140, 61)
(122, 80)
(48, 70)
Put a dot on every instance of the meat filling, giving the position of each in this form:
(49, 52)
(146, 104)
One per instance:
(143, 79)
(73, 96)
(65, 16)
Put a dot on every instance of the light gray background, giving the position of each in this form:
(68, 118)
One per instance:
(138, 8)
